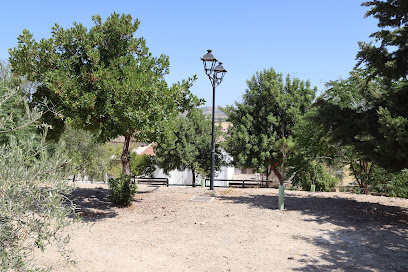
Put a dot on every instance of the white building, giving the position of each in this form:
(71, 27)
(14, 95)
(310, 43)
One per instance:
(185, 177)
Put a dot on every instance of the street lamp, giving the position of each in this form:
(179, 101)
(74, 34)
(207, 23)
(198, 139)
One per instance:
(215, 72)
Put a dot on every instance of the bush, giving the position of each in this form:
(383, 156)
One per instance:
(33, 203)
(123, 190)
(314, 173)
(388, 183)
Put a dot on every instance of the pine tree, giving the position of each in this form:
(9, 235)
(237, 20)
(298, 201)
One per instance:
(376, 122)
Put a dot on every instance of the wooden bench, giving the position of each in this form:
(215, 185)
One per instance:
(156, 181)
(245, 183)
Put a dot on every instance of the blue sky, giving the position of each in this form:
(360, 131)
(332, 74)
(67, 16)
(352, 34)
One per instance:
(310, 39)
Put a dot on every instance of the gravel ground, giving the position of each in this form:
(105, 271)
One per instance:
(239, 230)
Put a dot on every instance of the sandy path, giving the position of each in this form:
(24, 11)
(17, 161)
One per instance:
(240, 230)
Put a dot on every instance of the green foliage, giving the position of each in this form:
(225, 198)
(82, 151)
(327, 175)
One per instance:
(387, 59)
(103, 79)
(33, 202)
(16, 120)
(314, 173)
(314, 155)
(189, 145)
(313, 143)
(376, 122)
(142, 165)
(123, 190)
(352, 112)
(87, 156)
(115, 165)
(261, 133)
(346, 115)
(389, 183)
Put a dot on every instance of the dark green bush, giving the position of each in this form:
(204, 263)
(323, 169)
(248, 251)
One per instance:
(388, 183)
(123, 190)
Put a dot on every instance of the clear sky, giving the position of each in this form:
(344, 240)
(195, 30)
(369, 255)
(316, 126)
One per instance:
(310, 39)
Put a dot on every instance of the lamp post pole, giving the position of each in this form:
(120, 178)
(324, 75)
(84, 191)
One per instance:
(212, 143)
(215, 73)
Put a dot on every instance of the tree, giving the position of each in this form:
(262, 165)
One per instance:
(376, 125)
(103, 80)
(314, 173)
(33, 189)
(387, 60)
(189, 146)
(261, 133)
(348, 113)
(87, 156)
(314, 155)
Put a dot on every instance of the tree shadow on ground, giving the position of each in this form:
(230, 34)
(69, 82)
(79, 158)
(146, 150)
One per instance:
(372, 236)
(93, 204)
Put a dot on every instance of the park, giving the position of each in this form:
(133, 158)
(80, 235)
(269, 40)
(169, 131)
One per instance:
(108, 163)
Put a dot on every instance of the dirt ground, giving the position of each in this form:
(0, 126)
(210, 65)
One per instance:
(239, 230)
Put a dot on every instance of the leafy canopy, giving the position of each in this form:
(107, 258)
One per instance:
(261, 133)
(388, 59)
(314, 155)
(368, 110)
(102, 79)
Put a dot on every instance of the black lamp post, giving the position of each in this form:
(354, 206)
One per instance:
(215, 72)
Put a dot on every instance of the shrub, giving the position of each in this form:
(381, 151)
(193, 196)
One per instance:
(33, 209)
(123, 190)
(388, 183)
(314, 173)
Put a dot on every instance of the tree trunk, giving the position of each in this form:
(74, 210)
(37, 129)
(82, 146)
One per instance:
(277, 174)
(281, 198)
(364, 174)
(125, 158)
(194, 178)
(282, 174)
(73, 178)
(367, 169)
(366, 188)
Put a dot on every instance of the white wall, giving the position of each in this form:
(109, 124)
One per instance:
(175, 177)
(185, 177)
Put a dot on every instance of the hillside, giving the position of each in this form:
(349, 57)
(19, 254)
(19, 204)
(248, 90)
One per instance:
(219, 114)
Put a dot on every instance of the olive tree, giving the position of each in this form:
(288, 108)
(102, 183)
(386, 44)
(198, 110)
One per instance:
(33, 187)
